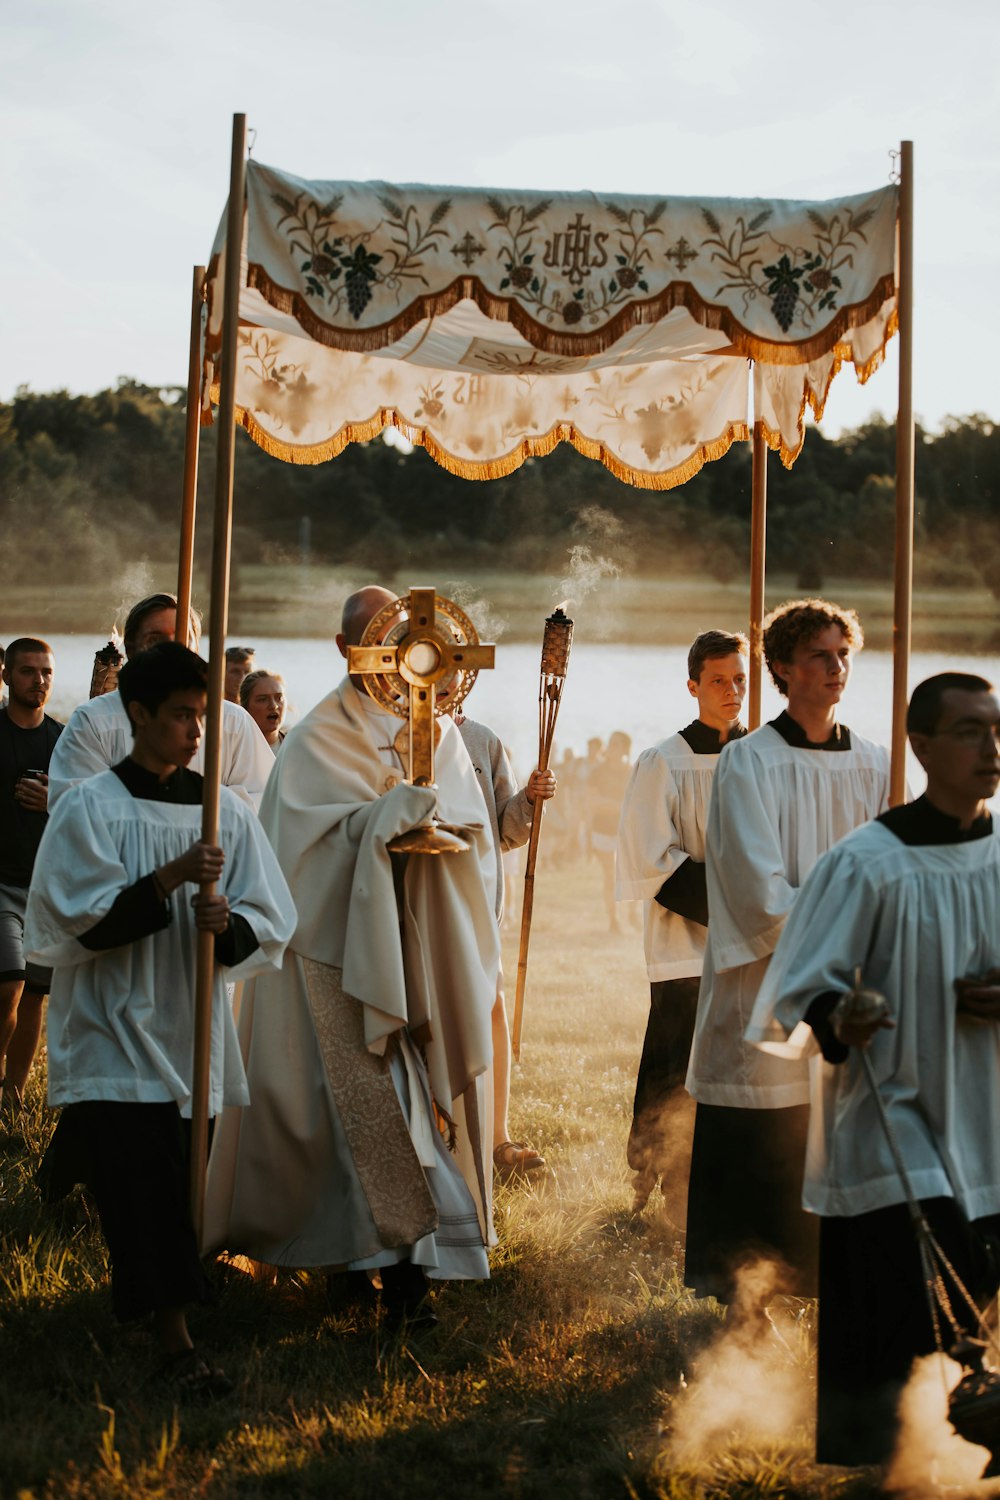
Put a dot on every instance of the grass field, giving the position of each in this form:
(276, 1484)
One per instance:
(583, 1369)
(294, 601)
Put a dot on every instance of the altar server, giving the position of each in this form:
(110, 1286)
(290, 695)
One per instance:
(913, 900)
(781, 797)
(661, 861)
(110, 908)
(98, 735)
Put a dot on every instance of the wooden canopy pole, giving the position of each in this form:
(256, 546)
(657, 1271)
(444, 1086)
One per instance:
(903, 594)
(758, 536)
(192, 437)
(222, 535)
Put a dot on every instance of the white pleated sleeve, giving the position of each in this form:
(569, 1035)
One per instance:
(914, 919)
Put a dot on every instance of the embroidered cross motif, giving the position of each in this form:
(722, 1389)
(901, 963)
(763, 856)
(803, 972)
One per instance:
(468, 249)
(681, 253)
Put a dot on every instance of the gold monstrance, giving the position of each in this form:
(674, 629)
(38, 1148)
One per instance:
(420, 656)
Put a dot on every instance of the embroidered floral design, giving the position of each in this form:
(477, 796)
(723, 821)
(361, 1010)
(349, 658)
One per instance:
(284, 391)
(801, 280)
(341, 269)
(263, 358)
(430, 398)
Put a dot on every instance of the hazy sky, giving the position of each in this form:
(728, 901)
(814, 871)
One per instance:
(115, 120)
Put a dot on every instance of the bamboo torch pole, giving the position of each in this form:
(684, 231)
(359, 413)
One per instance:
(903, 590)
(556, 643)
(192, 437)
(758, 536)
(222, 533)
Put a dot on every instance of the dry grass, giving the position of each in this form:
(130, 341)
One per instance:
(570, 1373)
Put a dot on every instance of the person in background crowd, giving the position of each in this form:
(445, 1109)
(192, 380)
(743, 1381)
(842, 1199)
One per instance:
(27, 738)
(262, 694)
(239, 663)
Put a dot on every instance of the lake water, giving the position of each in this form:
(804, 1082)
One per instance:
(639, 689)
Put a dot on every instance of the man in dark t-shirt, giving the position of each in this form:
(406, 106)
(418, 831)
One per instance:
(27, 737)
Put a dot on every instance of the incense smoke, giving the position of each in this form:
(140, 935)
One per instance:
(133, 583)
(929, 1452)
(589, 566)
(489, 624)
(751, 1383)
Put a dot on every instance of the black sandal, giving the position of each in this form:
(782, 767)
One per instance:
(188, 1375)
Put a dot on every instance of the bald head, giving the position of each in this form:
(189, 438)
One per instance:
(360, 609)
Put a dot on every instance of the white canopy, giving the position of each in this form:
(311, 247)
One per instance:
(489, 326)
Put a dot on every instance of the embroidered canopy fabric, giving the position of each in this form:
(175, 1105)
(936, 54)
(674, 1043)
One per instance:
(490, 325)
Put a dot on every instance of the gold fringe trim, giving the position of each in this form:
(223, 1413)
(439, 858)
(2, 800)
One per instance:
(494, 468)
(570, 345)
(817, 400)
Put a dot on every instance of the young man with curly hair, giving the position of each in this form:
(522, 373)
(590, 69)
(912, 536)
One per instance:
(781, 797)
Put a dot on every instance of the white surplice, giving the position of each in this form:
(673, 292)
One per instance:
(774, 810)
(663, 818)
(121, 1021)
(99, 736)
(382, 1006)
(915, 919)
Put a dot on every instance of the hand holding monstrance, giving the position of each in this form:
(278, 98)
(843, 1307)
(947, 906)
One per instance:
(420, 656)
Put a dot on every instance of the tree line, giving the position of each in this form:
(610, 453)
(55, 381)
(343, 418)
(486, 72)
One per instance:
(98, 480)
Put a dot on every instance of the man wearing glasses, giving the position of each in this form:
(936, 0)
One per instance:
(912, 901)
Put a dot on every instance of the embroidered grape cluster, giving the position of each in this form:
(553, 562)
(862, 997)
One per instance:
(783, 289)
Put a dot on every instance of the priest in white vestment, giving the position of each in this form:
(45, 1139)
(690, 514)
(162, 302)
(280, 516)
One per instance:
(661, 862)
(373, 1045)
(913, 900)
(781, 797)
(98, 735)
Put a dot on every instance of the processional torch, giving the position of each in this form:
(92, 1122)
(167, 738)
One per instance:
(556, 643)
(107, 664)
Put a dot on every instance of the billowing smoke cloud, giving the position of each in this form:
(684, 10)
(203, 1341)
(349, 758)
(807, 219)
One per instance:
(751, 1383)
(929, 1453)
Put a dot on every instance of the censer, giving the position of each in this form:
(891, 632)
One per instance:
(974, 1404)
(420, 656)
